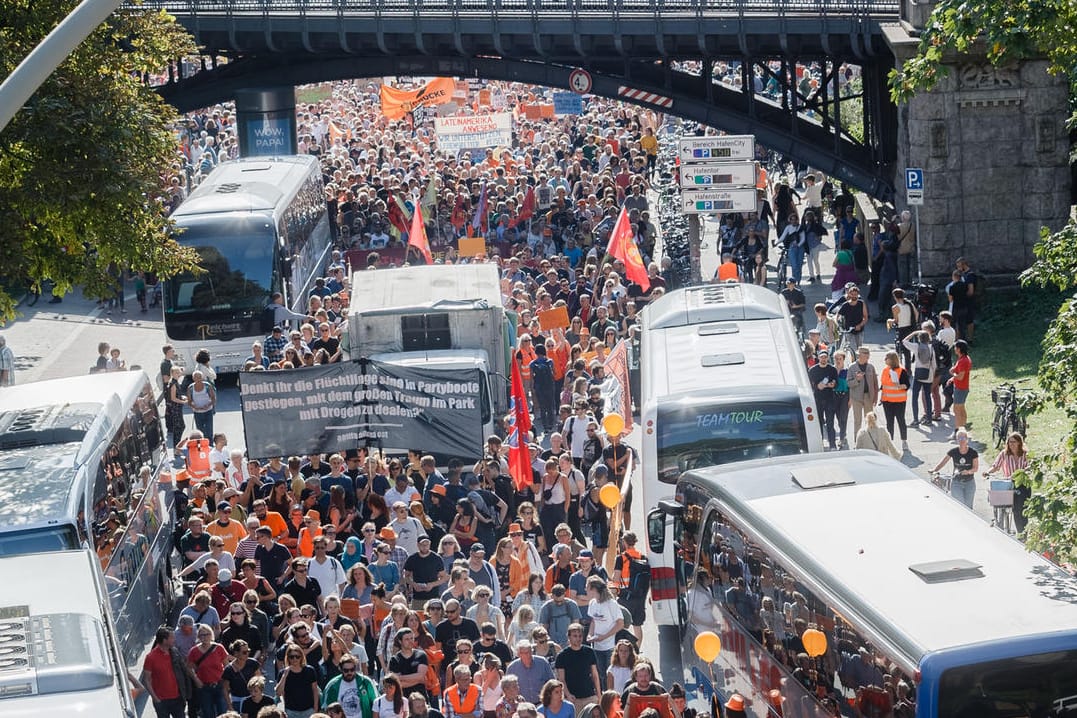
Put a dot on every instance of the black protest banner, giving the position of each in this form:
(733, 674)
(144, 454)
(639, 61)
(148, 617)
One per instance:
(336, 407)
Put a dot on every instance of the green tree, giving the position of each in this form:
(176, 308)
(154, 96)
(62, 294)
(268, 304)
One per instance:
(1011, 30)
(83, 164)
(1008, 30)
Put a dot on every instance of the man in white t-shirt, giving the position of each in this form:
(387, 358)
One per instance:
(325, 569)
(408, 528)
(606, 621)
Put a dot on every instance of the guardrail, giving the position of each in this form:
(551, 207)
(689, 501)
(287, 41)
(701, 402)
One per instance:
(861, 8)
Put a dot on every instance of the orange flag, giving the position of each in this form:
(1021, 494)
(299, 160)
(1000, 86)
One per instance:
(395, 103)
(623, 246)
(417, 236)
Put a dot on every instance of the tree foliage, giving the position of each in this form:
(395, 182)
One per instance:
(82, 164)
(1008, 31)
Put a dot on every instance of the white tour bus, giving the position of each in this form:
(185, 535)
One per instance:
(260, 225)
(71, 451)
(723, 380)
(59, 655)
(900, 579)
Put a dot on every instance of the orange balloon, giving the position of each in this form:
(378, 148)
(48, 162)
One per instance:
(613, 423)
(707, 646)
(814, 642)
(609, 495)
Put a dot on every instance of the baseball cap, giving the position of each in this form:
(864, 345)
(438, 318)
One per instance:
(222, 505)
(224, 575)
(438, 489)
(387, 533)
(422, 538)
(478, 548)
(586, 553)
(602, 469)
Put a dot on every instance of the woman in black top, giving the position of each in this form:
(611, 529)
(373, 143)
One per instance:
(298, 682)
(239, 671)
(966, 464)
(238, 627)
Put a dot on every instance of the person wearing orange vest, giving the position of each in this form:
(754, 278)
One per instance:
(558, 351)
(894, 390)
(525, 354)
(727, 270)
(463, 700)
(622, 571)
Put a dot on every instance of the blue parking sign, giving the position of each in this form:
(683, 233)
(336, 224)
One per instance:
(914, 178)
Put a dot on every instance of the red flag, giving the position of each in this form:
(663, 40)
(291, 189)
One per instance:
(520, 422)
(459, 213)
(396, 215)
(417, 236)
(622, 246)
(527, 209)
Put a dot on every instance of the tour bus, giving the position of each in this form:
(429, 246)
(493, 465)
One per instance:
(260, 225)
(900, 593)
(59, 655)
(71, 454)
(723, 380)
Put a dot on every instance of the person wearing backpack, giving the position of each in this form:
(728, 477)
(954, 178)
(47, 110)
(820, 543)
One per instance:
(275, 314)
(544, 389)
(632, 573)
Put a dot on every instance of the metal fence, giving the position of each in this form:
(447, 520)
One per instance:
(880, 9)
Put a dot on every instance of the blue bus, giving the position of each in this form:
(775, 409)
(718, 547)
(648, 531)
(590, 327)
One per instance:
(926, 609)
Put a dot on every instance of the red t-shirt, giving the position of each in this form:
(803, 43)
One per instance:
(963, 365)
(211, 668)
(158, 665)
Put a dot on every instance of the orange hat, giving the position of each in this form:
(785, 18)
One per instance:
(438, 489)
(735, 702)
(387, 533)
(514, 528)
(312, 514)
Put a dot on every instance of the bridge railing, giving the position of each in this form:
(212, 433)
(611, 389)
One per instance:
(869, 8)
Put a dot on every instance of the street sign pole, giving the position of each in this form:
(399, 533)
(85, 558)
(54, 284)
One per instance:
(695, 254)
(919, 268)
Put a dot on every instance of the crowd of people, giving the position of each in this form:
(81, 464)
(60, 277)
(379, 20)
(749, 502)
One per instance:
(370, 585)
(374, 586)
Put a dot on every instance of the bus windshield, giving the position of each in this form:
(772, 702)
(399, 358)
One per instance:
(1038, 685)
(238, 273)
(20, 543)
(692, 436)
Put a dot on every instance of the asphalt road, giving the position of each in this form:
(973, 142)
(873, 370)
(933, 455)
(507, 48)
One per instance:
(56, 340)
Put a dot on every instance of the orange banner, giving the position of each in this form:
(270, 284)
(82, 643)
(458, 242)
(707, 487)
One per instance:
(537, 112)
(397, 103)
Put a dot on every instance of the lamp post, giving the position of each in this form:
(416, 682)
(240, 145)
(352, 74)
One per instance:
(36, 67)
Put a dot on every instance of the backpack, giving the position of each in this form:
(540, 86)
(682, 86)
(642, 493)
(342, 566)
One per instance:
(542, 373)
(639, 577)
(942, 354)
(269, 318)
(591, 509)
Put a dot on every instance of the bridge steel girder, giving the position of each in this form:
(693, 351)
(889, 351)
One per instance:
(867, 168)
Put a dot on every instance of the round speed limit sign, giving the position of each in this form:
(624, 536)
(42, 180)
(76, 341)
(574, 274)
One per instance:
(579, 81)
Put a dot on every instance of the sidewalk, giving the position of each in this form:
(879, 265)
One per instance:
(927, 444)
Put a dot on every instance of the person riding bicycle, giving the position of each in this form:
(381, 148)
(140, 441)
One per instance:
(797, 303)
(853, 316)
(751, 255)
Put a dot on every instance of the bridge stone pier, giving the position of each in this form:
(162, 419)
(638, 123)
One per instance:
(994, 148)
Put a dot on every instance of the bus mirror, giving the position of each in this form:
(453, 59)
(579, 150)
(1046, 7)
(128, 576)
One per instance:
(670, 507)
(656, 531)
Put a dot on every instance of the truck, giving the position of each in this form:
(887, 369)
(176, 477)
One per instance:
(447, 317)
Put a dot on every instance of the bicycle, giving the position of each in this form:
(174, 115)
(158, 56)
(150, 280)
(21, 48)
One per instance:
(783, 263)
(1007, 420)
(941, 482)
(1000, 497)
